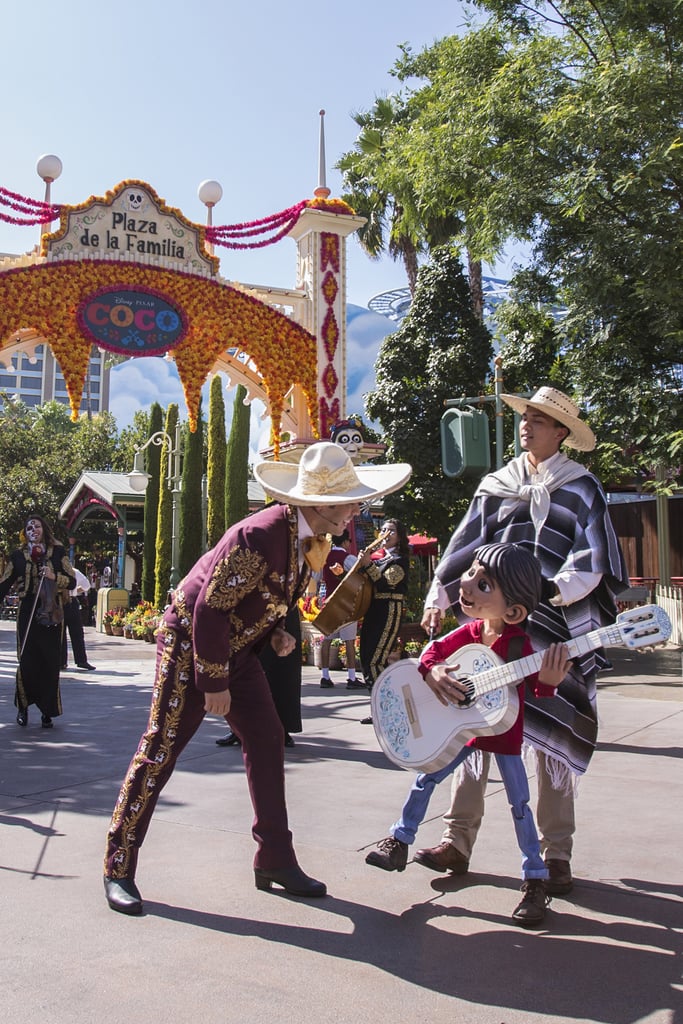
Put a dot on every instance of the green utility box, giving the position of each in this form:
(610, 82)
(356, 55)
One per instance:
(465, 448)
(108, 598)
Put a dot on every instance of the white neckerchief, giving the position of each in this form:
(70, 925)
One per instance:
(519, 482)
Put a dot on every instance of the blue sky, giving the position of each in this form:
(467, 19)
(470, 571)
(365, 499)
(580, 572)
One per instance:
(172, 93)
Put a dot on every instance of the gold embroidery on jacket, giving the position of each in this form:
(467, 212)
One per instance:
(182, 611)
(234, 578)
(210, 668)
(394, 575)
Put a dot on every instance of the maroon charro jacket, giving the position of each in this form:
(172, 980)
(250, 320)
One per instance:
(238, 592)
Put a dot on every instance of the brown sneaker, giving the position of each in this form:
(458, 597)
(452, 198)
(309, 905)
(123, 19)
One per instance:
(444, 857)
(531, 911)
(560, 880)
(391, 855)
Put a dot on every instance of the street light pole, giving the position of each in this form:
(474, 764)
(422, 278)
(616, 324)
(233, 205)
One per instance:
(174, 483)
(139, 478)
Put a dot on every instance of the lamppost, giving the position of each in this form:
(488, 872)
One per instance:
(138, 479)
(49, 167)
(210, 192)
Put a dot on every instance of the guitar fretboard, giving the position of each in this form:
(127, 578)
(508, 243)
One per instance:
(514, 671)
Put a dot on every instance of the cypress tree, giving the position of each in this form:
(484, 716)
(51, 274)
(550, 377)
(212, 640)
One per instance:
(237, 461)
(162, 573)
(152, 462)
(191, 530)
(215, 520)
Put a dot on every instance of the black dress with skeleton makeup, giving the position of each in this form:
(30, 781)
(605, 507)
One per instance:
(37, 680)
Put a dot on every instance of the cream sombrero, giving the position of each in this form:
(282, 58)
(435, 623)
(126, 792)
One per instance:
(326, 476)
(554, 403)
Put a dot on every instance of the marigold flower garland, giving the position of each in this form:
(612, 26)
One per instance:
(47, 297)
(34, 211)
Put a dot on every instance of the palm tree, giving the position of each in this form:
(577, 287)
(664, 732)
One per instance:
(396, 223)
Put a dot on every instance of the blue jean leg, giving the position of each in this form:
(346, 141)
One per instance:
(516, 784)
(415, 807)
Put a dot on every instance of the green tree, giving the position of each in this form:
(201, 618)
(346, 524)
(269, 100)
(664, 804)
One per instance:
(440, 350)
(237, 461)
(559, 123)
(152, 466)
(215, 523)
(388, 226)
(164, 538)
(191, 529)
(42, 454)
(130, 439)
(378, 191)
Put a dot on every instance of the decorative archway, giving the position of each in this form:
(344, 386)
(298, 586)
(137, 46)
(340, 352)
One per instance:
(134, 276)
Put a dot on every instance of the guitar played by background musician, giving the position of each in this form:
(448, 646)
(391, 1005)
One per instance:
(501, 587)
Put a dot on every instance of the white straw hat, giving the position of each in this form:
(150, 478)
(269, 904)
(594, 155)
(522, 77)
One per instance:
(326, 476)
(556, 404)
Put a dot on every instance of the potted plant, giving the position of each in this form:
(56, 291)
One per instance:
(150, 621)
(107, 620)
(117, 622)
(130, 621)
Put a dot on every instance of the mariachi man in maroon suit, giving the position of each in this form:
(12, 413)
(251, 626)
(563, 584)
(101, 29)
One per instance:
(229, 605)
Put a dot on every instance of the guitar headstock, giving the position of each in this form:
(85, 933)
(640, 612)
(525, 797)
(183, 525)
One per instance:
(641, 627)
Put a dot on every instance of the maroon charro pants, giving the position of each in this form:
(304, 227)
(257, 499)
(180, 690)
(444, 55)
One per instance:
(176, 714)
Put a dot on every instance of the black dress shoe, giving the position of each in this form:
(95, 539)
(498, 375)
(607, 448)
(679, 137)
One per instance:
(86, 667)
(292, 880)
(46, 722)
(123, 895)
(22, 717)
(366, 721)
(229, 741)
(289, 742)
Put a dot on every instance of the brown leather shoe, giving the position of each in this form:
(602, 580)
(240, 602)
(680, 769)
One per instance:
(444, 857)
(560, 879)
(531, 911)
(391, 855)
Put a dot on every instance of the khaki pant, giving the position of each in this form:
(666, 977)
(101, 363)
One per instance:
(554, 812)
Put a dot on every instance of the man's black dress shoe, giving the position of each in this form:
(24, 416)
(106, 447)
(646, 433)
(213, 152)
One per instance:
(46, 722)
(229, 741)
(366, 721)
(86, 667)
(289, 742)
(22, 717)
(293, 880)
(123, 895)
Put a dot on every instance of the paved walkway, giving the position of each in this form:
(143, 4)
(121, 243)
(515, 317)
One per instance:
(410, 947)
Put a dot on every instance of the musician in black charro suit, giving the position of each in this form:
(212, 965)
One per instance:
(382, 621)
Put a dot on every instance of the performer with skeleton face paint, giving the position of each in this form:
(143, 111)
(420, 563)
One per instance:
(44, 577)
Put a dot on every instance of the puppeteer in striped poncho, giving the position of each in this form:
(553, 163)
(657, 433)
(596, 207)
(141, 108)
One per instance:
(560, 514)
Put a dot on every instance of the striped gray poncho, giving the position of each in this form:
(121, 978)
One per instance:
(571, 532)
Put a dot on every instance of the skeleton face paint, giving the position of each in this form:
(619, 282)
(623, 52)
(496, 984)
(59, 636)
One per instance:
(34, 531)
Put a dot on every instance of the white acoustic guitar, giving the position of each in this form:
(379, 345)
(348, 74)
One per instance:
(416, 731)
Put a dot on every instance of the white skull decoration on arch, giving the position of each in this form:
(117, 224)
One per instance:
(348, 434)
